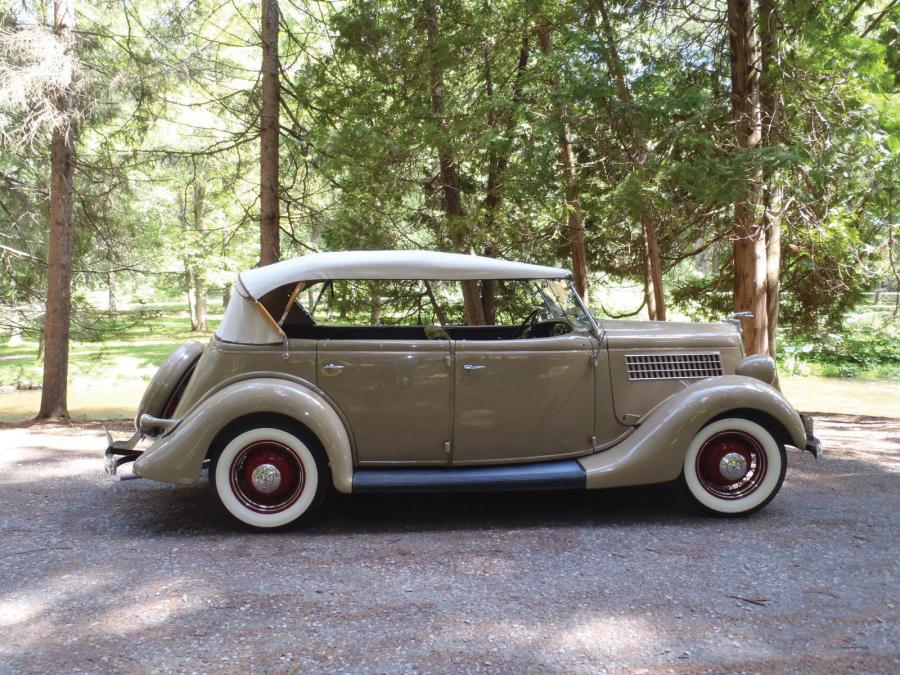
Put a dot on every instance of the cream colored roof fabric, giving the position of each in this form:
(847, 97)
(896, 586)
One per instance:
(390, 265)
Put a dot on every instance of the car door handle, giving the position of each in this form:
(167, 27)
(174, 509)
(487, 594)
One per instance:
(333, 367)
(472, 366)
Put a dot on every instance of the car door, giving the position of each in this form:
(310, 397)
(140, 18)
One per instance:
(394, 394)
(522, 400)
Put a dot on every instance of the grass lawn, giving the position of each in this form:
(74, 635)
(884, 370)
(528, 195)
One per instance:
(107, 379)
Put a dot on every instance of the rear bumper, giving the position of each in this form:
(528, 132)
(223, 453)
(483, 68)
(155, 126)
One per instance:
(120, 452)
(813, 444)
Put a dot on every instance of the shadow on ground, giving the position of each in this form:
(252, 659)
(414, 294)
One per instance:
(137, 576)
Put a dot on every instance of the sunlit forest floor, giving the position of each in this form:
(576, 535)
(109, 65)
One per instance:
(108, 378)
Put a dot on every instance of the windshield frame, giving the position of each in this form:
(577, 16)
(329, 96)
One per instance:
(563, 308)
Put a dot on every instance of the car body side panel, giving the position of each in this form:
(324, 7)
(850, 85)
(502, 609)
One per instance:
(395, 394)
(655, 452)
(222, 361)
(634, 398)
(178, 456)
(523, 400)
(607, 426)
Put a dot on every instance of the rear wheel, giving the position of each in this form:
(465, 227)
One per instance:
(734, 467)
(270, 476)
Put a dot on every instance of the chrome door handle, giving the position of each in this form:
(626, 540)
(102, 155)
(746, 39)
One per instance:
(472, 366)
(336, 367)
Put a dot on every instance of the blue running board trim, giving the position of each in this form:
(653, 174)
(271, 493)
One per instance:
(559, 475)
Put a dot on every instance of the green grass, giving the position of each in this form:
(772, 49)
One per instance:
(106, 378)
(145, 337)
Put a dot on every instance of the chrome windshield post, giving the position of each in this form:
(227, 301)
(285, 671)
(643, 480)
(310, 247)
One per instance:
(595, 327)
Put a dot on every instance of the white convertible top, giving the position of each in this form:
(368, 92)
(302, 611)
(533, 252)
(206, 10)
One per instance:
(431, 265)
(247, 322)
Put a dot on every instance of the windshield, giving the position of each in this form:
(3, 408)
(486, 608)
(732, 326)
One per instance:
(560, 299)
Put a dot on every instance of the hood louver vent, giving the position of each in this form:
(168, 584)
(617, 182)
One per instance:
(673, 366)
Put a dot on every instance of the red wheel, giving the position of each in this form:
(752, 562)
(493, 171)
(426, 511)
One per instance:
(731, 464)
(267, 476)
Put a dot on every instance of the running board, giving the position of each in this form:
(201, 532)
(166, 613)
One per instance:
(560, 475)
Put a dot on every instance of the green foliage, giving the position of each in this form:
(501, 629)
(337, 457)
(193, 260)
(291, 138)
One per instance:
(867, 346)
(170, 97)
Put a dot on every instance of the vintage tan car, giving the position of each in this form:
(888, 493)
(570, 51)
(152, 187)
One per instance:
(295, 395)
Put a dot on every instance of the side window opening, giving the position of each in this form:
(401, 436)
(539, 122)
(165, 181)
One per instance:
(420, 310)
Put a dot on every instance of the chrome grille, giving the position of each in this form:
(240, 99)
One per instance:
(673, 366)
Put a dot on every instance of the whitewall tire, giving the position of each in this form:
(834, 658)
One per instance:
(734, 467)
(268, 477)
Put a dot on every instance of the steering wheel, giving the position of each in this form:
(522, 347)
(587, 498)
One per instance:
(559, 328)
(528, 324)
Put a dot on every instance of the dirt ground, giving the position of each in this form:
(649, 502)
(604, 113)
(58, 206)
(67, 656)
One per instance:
(99, 575)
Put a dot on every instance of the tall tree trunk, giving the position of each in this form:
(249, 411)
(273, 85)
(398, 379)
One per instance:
(649, 286)
(189, 290)
(653, 281)
(575, 223)
(750, 263)
(375, 305)
(489, 292)
(773, 207)
(453, 207)
(655, 291)
(269, 234)
(771, 137)
(439, 312)
(111, 291)
(502, 122)
(573, 208)
(201, 309)
(59, 260)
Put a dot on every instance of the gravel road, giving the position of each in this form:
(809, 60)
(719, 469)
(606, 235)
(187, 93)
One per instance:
(100, 575)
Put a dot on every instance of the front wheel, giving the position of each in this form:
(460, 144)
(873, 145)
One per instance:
(734, 467)
(270, 476)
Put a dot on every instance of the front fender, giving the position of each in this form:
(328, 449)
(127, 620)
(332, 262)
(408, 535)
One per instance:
(655, 452)
(178, 456)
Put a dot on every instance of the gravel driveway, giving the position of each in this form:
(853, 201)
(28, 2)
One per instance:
(100, 575)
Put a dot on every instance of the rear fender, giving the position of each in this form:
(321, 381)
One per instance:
(655, 452)
(178, 456)
(170, 375)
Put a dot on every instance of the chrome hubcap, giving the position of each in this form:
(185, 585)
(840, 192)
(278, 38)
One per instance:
(266, 478)
(733, 466)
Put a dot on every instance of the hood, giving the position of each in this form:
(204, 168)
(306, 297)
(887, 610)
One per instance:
(669, 335)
